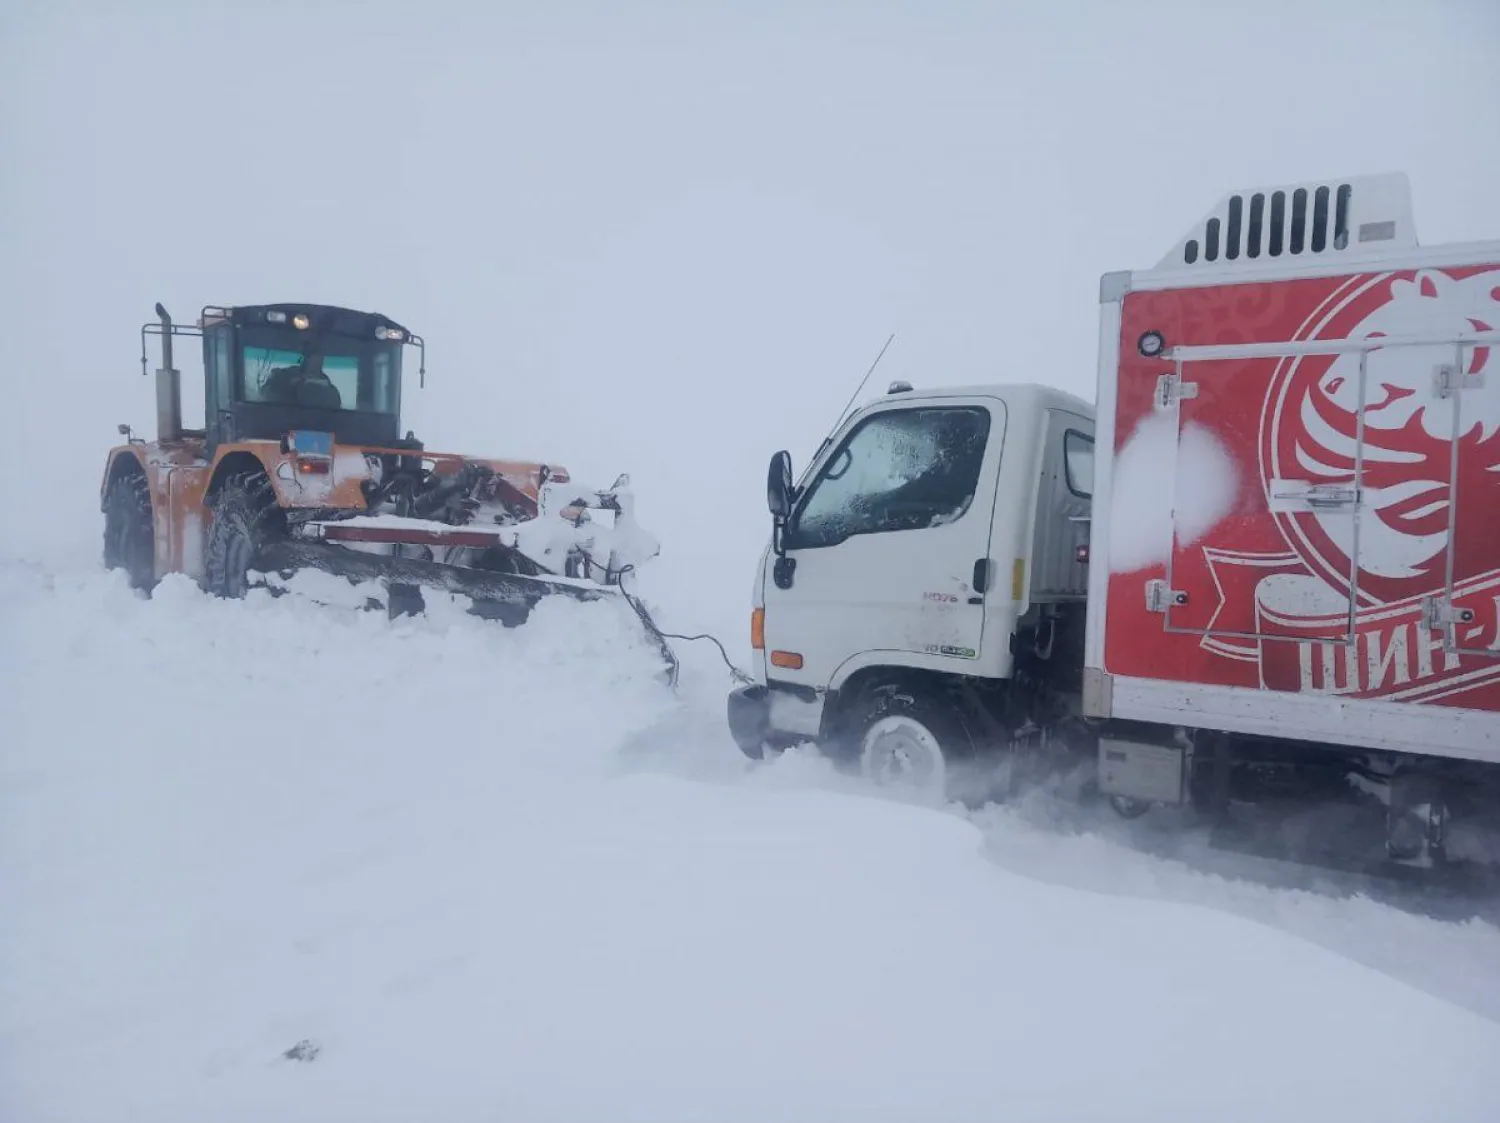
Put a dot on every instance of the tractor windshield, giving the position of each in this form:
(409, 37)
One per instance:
(342, 374)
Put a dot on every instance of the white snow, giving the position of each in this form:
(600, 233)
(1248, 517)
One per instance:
(504, 874)
(402, 522)
(350, 464)
(1153, 495)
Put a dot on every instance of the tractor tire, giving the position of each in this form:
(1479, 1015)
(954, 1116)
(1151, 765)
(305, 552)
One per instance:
(130, 529)
(244, 517)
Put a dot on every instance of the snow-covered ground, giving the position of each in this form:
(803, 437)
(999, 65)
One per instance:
(495, 874)
(505, 875)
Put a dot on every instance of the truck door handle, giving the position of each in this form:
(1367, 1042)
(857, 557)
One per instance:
(981, 582)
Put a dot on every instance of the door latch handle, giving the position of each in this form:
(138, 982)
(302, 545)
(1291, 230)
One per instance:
(983, 569)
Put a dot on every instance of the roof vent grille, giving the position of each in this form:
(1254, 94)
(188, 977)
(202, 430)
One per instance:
(1299, 221)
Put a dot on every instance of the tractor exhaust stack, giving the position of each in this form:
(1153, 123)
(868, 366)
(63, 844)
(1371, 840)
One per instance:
(168, 386)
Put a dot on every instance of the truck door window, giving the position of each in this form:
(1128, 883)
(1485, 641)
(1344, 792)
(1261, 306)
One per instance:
(898, 470)
(1078, 458)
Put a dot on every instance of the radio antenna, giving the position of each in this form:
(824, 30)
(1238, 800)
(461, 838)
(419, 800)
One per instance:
(845, 411)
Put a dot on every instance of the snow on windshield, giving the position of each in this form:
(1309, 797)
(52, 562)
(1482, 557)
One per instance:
(899, 470)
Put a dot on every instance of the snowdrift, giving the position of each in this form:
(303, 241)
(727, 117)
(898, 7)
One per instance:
(266, 863)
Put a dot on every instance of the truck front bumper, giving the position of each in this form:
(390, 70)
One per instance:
(749, 712)
(774, 716)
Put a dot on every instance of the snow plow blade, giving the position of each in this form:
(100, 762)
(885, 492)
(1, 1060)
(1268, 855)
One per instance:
(506, 596)
(480, 584)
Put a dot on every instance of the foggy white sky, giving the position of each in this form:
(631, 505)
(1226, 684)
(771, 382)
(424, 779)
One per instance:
(669, 241)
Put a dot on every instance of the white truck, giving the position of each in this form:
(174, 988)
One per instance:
(1268, 556)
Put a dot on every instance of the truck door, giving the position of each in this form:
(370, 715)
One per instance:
(887, 546)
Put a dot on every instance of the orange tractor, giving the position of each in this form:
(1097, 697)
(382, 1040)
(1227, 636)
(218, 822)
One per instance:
(300, 464)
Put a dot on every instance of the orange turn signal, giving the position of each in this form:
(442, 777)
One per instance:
(788, 659)
(758, 629)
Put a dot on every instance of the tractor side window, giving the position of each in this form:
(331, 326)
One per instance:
(385, 382)
(899, 470)
(1078, 463)
(221, 367)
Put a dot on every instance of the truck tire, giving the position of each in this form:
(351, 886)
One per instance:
(1416, 828)
(130, 529)
(243, 518)
(907, 739)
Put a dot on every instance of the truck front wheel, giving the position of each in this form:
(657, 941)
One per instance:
(907, 740)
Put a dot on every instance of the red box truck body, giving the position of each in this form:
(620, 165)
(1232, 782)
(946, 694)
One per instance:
(1296, 524)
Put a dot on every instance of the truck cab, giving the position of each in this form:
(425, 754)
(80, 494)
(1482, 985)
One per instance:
(935, 545)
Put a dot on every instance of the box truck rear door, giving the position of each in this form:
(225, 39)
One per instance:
(1465, 614)
(1231, 469)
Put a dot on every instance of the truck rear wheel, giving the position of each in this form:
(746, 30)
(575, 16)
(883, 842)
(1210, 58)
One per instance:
(905, 739)
(244, 518)
(1416, 825)
(129, 529)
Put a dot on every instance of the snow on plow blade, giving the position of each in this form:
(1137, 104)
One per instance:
(505, 569)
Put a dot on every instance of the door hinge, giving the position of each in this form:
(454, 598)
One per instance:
(1295, 494)
(1171, 389)
(1439, 614)
(1447, 380)
(1159, 598)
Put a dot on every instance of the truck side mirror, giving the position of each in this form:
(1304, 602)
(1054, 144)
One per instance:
(779, 486)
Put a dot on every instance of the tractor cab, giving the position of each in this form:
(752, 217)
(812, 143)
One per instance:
(270, 369)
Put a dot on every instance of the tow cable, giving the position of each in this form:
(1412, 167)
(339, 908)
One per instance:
(662, 637)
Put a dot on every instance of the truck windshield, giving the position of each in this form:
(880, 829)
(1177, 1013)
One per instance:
(344, 376)
(899, 470)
